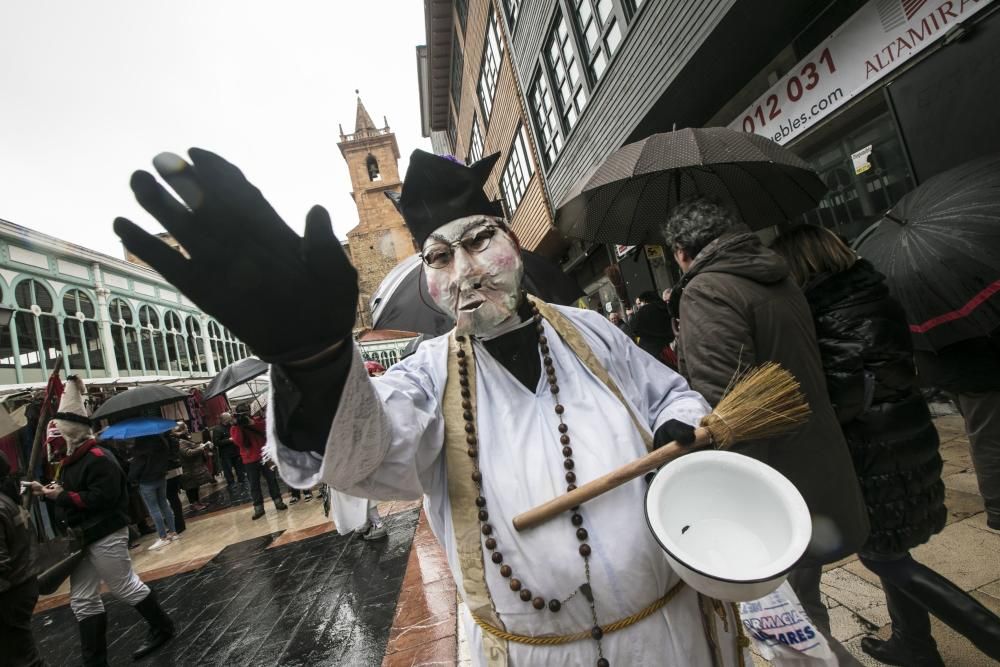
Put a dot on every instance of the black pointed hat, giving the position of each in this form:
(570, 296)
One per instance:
(439, 189)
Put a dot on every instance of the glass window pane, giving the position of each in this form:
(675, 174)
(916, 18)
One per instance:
(600, 64)
(603, 10)
(592, 35)
(614, 37)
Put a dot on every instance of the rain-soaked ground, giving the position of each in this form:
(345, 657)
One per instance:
(328, 600)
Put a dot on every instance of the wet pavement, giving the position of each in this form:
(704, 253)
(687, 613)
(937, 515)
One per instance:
(327, 599)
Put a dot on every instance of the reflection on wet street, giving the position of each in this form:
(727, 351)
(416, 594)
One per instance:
(324, 599)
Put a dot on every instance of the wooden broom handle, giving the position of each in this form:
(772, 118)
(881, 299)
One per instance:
(611, 480)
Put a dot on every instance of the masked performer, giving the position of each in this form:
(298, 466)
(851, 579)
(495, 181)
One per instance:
(92, 497)
(522, 401)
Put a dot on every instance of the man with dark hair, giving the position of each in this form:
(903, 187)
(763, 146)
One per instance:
(739, 308)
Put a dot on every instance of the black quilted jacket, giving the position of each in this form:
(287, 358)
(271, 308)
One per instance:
(868, 361)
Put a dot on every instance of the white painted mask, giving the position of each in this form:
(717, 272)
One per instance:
(474, 270)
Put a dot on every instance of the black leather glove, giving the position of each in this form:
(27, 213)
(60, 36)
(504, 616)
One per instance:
(672, 430)
(287, 297)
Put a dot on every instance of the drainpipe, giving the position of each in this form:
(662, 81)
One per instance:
(104, 322)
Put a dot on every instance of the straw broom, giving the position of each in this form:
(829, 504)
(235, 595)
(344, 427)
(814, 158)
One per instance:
(760, 403)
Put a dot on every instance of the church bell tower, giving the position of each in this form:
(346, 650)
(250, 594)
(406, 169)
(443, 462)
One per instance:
(381, 239)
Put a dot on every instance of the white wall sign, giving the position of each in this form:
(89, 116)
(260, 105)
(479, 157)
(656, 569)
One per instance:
(72, 269)
(877, 39)
(29, 257)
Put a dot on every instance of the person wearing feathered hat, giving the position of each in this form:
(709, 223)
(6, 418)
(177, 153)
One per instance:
(470, 421)
(92, 498)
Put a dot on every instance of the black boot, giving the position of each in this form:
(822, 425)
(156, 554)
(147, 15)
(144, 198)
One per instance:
(161, 628)
(93, 640)
(959, 610)
(895, 651)
(280, 504)
(258, 512)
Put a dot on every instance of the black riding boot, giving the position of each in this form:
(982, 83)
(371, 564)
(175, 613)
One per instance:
(93, 640)
(161, 628)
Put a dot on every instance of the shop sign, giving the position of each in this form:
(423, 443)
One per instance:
(860, 160)
(622, 250)
(654, 252)
(877, 39)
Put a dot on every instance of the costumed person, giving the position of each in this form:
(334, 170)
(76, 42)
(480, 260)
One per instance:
(92, 498)
(867, 354)
(521, 402)
(18, 576)
(250, 436)
(739, 308)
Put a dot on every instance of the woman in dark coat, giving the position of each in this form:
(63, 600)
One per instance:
(867, 358)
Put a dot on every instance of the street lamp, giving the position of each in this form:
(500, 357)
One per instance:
(5, 315)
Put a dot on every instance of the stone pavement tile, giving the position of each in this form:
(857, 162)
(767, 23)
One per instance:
(950, 426)
(440, 652)
(840, 563)
(961, 505)
(992, 589)
(964, 481)
(979, 521)
(857, 596)
(956, 453)
(845, 625)
(860, 570)
(964, 553)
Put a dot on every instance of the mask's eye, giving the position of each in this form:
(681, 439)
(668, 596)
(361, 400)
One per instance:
(437, 256)
(479, 241)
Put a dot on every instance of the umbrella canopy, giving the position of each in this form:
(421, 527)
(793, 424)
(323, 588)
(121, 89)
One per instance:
(235, 374)
(136, 428)
(939, 248)
(138, 397)
(626, 198)
(401, 301)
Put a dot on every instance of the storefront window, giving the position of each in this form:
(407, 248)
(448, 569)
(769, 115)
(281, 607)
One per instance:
(127, 354)
(196, 345)
(861, 188)
(83, 341)
(35, 331)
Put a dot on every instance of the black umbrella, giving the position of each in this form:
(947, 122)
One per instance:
(939, 247)
(234, 375)
(138, 397)
(628, 196)
(402, 302)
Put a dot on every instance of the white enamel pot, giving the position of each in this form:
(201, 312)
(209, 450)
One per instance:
(731, 526)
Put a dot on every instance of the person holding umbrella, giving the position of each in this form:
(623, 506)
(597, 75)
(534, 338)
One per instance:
(148, 469)
(739, 307)
(867, 357)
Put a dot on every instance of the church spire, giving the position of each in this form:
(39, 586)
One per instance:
(363, 122)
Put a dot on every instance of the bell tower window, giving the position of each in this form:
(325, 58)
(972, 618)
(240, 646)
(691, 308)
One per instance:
(372, 164)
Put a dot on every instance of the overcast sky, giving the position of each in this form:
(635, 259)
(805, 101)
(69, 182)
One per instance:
(91, 91)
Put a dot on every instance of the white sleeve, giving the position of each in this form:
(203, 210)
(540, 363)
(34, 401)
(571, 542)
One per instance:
(656, 391)
(386, 440)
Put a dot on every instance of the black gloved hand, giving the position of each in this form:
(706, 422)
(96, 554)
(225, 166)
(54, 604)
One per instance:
(286, 297)
(672, 430)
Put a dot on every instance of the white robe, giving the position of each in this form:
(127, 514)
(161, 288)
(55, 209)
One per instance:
(386, 442)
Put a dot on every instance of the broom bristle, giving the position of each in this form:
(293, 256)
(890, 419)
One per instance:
(763, 402)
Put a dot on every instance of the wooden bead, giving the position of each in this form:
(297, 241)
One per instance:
(484, 515)
(477, 477)
(538, 603)
(466, 393)
(602, 662)
(491, 543)
(581, 533)
(577, 520)
(460, 339)
(471, 439)
(468, 416)
(563, 428)
(584, 550)
(547, 360)
(463, 381)
(559, 409)
(554, 605)
(487, 529)
(570, 487)
(554, 388)
(568, 464)
(542, 340)
(505, 571)
(525, 594)
(544, 349)
(567, 451)
(460, 354)
(497, 557)
(564, 439)
(466, 405)
(596, 632)
(570, 476)
(515, 585)
(473, 452)
(469, 428)
(480, 501)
